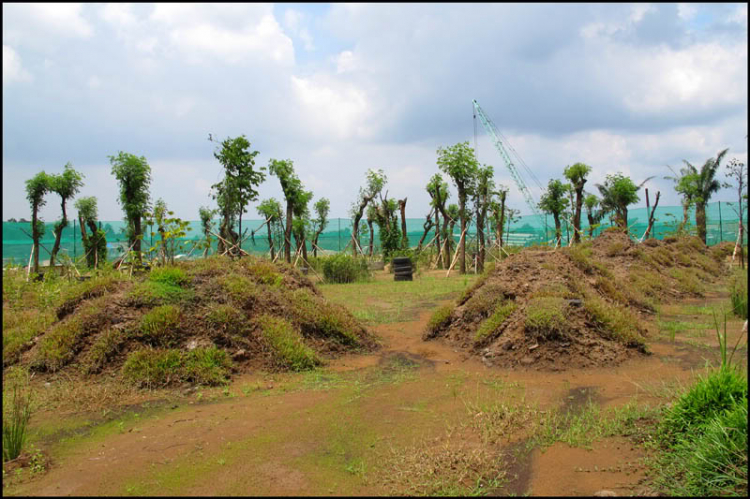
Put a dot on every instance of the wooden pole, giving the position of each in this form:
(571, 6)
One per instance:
(455, 256)
(28, 269)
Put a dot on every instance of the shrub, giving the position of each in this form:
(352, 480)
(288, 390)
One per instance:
(158, 325)
(344, 269)
(439, 319)
(16, 423)
(545, 317)
(496, 320)
(287, 343)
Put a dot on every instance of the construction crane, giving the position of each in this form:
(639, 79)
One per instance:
(495, 135)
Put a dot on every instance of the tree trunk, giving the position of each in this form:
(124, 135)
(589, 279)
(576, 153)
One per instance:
(577, 216)
(700, 220)
(137, 247)
(355, 234)
(288, 232)
(35, 237)
(404, 237)
(426, 226)
(591, 225)
(270, 241)
(372, 238)
(685, 208)
(58, 235)
(558, 230)
(437, 238)
(304, 247)
(651, 215)
(462, 216)
(502, 217)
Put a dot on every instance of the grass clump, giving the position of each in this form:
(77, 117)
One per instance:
(158, 325)
(102, 350)
(287, 343)
(581, 257)
(738, 294)
(344, 269)
(15, 424)
(496, 320)
(616, 322)
(159, 367)
(439, 319)
(545, 317)
(226, 318)
(484, 300)
(240, 288)
(58, 346)
(264, 272)
(704, 438)
(152, 293)
(172, 276)
(320, 318)
(19, 328)
(686, 281)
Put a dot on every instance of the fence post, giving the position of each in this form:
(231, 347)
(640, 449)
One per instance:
(74, 240)
(721, 230)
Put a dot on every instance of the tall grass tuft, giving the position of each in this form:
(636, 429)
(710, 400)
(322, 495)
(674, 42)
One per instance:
(16, 424)
(738, 295)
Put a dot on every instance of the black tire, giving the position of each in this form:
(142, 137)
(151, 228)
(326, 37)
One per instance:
(400, 260)
(402, 267)
(403, 273)
(402, 278)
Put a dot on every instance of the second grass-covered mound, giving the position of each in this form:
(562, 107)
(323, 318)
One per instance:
(574, 307)
(196, 322)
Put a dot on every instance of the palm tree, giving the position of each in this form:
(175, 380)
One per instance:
(684, 185)
(591, 202)
(619, 192)
(704, 185)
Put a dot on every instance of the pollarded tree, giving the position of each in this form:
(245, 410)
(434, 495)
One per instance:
(485, 186)
(294, 194)
(460, 164)
(619, 192)
(404, 235)
(238, 188)
(270, 210)
(301, 223)
(737, 171)
(372, 217)
(66, 185)
(437, 188)
(36, 188)
(387, 220)
(555, 201)
(577, 174)
(94, 244)
(453, 213)
(134, 175)
(322, 207)
(593, 212)
(705, 185)
(375, 182)
(685, 187)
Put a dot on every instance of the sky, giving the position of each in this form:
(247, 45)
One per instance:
(343, 88)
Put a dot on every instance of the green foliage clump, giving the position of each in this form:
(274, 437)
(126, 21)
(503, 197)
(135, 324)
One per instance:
(264, 272)
(344, 269)
(545, 317)
(686, 281)
(439, 319)
(158, 325)
(496, 320)
(287, 343)
(484, 300)
(159, 367)
(57, 347)
(19, 327)
(240, 288)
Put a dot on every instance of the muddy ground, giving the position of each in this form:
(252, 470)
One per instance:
(370, 424)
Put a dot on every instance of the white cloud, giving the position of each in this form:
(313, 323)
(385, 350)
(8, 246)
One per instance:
(13, 71)
(686, 11)
(118, 14)
(739, 15)
(39, 20)
(94, 82)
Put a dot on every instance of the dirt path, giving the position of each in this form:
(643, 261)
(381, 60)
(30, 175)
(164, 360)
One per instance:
(336, 431)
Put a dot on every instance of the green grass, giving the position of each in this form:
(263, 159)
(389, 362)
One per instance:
(172, 276)
(703, 438)
(15, 424)
(692, 329)
(158, 367)
(617, 323)
(493, 322)
(152, 293)
(318, 317)
(106, 345)
(225, 318)
(286, 342)
(738, 294)
(19, 327)
(439, 319)
(240, 288)
(159, 324)
(545, 317)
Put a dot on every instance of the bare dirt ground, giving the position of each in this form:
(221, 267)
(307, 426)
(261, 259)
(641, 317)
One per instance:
(350, 428)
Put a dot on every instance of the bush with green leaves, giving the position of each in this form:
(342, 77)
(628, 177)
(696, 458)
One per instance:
(345, 269)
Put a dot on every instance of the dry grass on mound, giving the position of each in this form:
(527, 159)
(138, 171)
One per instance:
(195, 322)
(577, 306)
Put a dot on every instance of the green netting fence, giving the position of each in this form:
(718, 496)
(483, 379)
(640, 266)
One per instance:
(722, 225)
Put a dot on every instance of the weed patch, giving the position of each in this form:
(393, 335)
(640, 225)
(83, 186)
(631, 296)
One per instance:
(287, 343)
(495, 321)
(158, 367)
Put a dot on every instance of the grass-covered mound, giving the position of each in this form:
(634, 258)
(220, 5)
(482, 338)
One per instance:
(577, 306)
(195, 322)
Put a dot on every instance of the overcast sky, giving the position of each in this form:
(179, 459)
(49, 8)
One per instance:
(342, 88)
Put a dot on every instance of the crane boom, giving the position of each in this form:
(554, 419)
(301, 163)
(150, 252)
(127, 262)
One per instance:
(494, 135)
